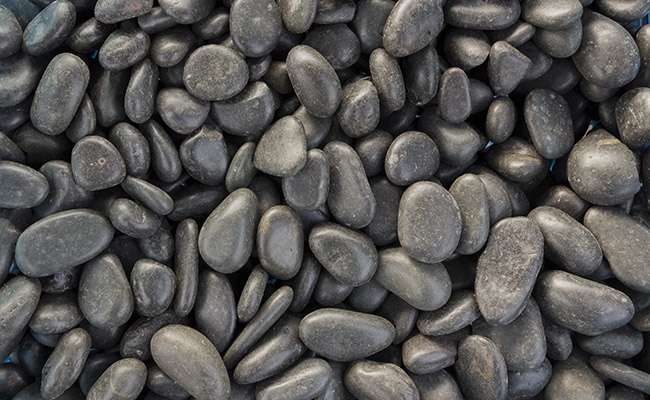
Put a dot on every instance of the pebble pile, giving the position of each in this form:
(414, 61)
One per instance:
(324, 199)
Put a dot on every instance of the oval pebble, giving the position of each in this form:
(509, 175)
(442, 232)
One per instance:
(460, 311)
(526, 384)
(507, 67)
(454, 99)
(19, 76)
(337, 43)
(280, 242)
(358, 114)
(133, 148)
(548, 120)
(425, 355)
(97, 164)
(123, 380)
(308, 189)
(493, 382)
(181, 111)
(387, 78)
(151, 196)
(413, 156)
(123, 48)
(574, 377)
(477, 14)
(214, 308)
(282, 149)
(297, 16)
(132, 219)
(306, 379)
(11, 33)
(214, 72)
(381, 381)
(620, 343)
(187, 12)
(140, 95)
(110, 12)
(19, 298)
(22, 186)
(255, 26)
(630, 117)
(153, 286)
(49, 28)
(56, 313)
(471, 196)
(234, 114)
(64, 365)
(622, 373)
(555, 15)
(412, 25)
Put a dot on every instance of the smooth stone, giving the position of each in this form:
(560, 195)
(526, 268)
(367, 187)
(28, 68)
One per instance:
(241, 170)
(153, 286)
(334, 11)
(162, 385)
(454, 100)
(277, 78)
(560, 43)
(170, 47)
(14, 377)
(471, 196)
(105, 297)
(56, 313)
(522, 342)
(214, 309)
(205, 156)
(507, 66)
(424, 286)
(88, 36)
(314, 81)
(477, 14)
(278, 349)
(507, 269)
(387, 79)
(19, 298)
(380, 381)
(11, 118)
(181, 111)
(133, 148)
(372, 149)
(97, 164)
(413, 156)
(350, 198)
(11, 33)
(186, 266)
(457, 143)
(620, 392)
(529, 383)
(297, 16)
(19, 76)
(622, 373)
(481, 95)
(50, 28)
(81, 235)
(9, 234)
(368, 298)
(621, 343)
(61, 281)
(234, 115)
(429, 222)
(308, 189)
(582, 305)
(411, 26)
(165, 160)
(205, 377)
(95, 365)
(329, 291)
(64, 365)
(140, 96)
(132, 219)
(438, 385)
(306, 379)
(252, 293)
(541, 62)
(62, 87)
(255, 26)
(358, 114)
(369, 21)
(466, 48)
(421, 71)
(84, 122)
(33, 392)
(187, 12)
(305, 281)
(196, 201)
(156, 20)
(565, 199)
(460, 311)
(151, 196)
(123, 48)
(424, 355)
(124, 380)
(280, 242)
(160, 245)
(111, 12)
(623, 12)
(22, 186)
(630, 117)
(337, 43)
(269, 313)
(559, 343)
(567, 242)
(610, 180)
(135, 342)
(548, 120)
(573, 378)
(492, 383)
(355, 260)
(282, 149)
(382, 230)
(608, 56)
(214, 72)
(624, 241)
(551, 15)
(267, 192)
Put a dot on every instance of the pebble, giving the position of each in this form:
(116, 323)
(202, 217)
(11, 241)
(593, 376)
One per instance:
(337, 43)
(622, 373)
(19, 77)
(84, 121)
(124, 48)
(204, 155)
(168, 48)
(329, 291)
(368, 23)
(411, 26)
(111, 12)
(334, 11)
(382, 230)
(62, 86)
(132, 219)
(621, 343)
(123, 380)
(421, 71)
(529, 383)
(554, 16)
(308, 189)
(153, 286)
(342, 335)
(88, 36)
(82, 234)
(8, 236)
(492, 383)
(630, 109)
(437, 385)
(381, 381)
(241, 170)
(280, 242)
(358, 114)
(105, 296)
(608, 56)
(20, 297)
(507, 269)
(23, 187)
(151, 196)
(181, 111)
(165, 161)
(140, 95)
(387, 79)
(187, 12)
(306, 379)
(282, 149)
(314, 81)
(476, 14)
(567, 242)
(426, 287)
(428, 223)
(471, 196)
(56, 313)
(50, 28)
(572, 378)
(454, 101)
(136, 339)
(214, 72)
(457, 143)
(625, 245)
(425, 355)
(304, 283)
(14, 379)
(97, 164)
(548, 120)
(298, 16)
(161, 384)
(214, 309)
(413, 156)
(255, 26)
(204, 378)
(350, 198)
(613, 179)
(132, 147)
(64, 365)
(457, 313)
(233, 114)
(11, 33)
(507, 66)
(584, 306)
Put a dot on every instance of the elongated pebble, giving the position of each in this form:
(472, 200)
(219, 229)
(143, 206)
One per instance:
(460, 311)
(214, 309)
(493, 383)
(20, 297)
(65, 363)
(123, 380)
(382, 381)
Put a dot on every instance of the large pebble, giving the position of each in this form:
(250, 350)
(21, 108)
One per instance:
(123, 380)
(573, 378)
(19, 76)
(214, 72)
(204, 155)
(297, 16)
(491, 382)
(187, 12)
(413, 156)
(132, 219)
(551, 15)
(11, 33)
(97, 164)
(421, 71)
(527, 384)
(411, 26)
(205, 377)
(466, 48)
(454, 99)
(342, 335)
(140, 95)
(429, 222)
(110, 12)
(181, 111)
(507, 269)
(387, 78)
(582, 305)
(602, 170)
(22, 186)
(477, 14)
(123, 48)
(305, 380)
(425, 355)
(371, 380)
(227, 237)
(255, 26)
(50, 28)
(64, 365)
(548, 120)
(358, 113)
(81, 235)
(507, 67)
(471, 196)
(460, 311)
(214, 308)
(280, 242)
(621, 343)
(18, 301)
(56, 313)
(625, 243)
(631, 110)
(282, 149)
(337, 43)
(248, 113)
(153, 285)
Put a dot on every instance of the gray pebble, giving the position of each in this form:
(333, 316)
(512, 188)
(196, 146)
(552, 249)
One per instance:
(156, 20)
(367, 298)
(358, 114)
(466, 48)
(56, 313)
(413, 156)
(158, 382)
(329, 291)
(187, 12)
(136, 340)
(411, 26)
(548, 120)
(439, 385)
(64, 365)
(11, 33)
(107, 94)
(334, 11)
(471, 196)
(88, 36)
(140, 96)
(19, 77)
(387, 78)
(383, 227)
(97, 164)
(186, 266)
(153, 285)
(507, 66)
(620, 392)
(235, 114)
(342, 335)
(621, 343)
(214, 72)
(368, 380)
(251, 295)
(241, 170)
(492, 383)
(165, 161)
(305, 380)
(477, 14)
(460, 311)
(304, 283)
(622, 373)
(630, 121)
(297, 16)
(309, 188)
(282, 149)
(565, 199)
(337, 43)
(19, 298)
(84, 121)
(204, 155)
(421, 72)
(214, 309)
(124, 380)
(551, 15)
(369, 21)
(170, 47)
(8, 236)
(123, 48)
(110, 12)
(181, 111)
(280, 242)
(133, 148)
(255, 26)
(22, 186)
(560, 43)
(133, 219)
(454, 101)
(151, 196)
(50, 28)
(457, 143)
(572, 378)
(529, 383)
(425, 355)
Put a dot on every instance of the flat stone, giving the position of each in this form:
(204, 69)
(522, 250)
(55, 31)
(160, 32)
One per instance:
(123, 48)
(381, 381)
(574, 377)
(123, 380)
(168, 48)
(425, 355)
(367, 298)
(507, 269)
(460, 311)
(342, 335)
(308, 189)
(140, 95)
(161, 384)
(413, 156)
(306, 379)
(111, 12)
(19, 77)
(337, 43)
(507, 66)
(304, 283)
(282, 149)
(429, 222)
(65, 363)
(492, 383)
(214, 72)
(88, 36)
(49, 28)
(457, 143)
(471, 196)
(329, 291)
(248, 113)
(548, 120)
(23, 187)
(251, 295)
(476, 14)
(186, 266)
(551, 15)
(205, 377)
(187, 12)
(334, 11)
(214, 309)
(56, 313)
(20, 297)
(151, 196)
(132, 219)
(411, 26)
(454, 99)
(255, 26)
(280, 242)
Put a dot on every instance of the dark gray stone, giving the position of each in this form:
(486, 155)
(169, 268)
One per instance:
(329, 291)
(622, 373)
(548, 120)
(421, 71)
(280, 242)
(248, 113)
(19, 298)
(387, 78)
(572, 378)
(214, 72)
(11, 33)
(413, 156)
(136, 340)
(19, 77)
(529, 383)
(466, 48)
(309, 188)
(165, 161)
(153, 286)
(438, 385)
(161, 384)
(170, 47)
(380, 381)
(477, 14)
(251, 295)
(369, 21)
(241, 170)
(631, 121)
(383, 227)
(181, 111)
(111, 12)
(205, 156)
(337, 43)
(255, 26)
(471, 196)
(107, 94)
(133, 148)
(282, 149)
(305, 380)
(297, 16)
(50, 28)
(56, 313)
(123, 48)
(151, 196)
(214, 309)
(64, 365)
(454, 101)
(412, 25)
(621, 343)
(124, 380)
(367, 298)
(425, 355)
(507, 66)
(97, 164)
(22, 186)
(492, 382)
(304, 283)
(551, 15)
(132, 219)
(460, 311)
(140, 96)
(358, 114)
(187, 12)
(88, 36)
